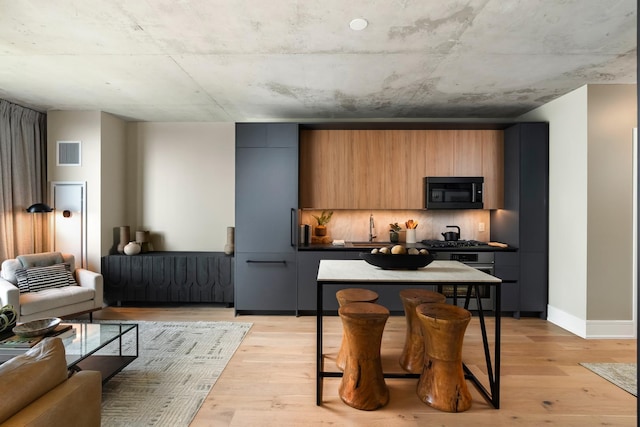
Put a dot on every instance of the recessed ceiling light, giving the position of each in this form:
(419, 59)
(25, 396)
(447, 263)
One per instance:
(358, 24)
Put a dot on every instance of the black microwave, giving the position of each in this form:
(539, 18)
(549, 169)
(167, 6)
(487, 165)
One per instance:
(442, 192)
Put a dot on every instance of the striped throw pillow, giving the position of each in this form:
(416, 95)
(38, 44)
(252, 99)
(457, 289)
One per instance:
(40, 278)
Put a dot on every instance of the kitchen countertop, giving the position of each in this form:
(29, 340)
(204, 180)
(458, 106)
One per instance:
(365, 247)
(344, 271)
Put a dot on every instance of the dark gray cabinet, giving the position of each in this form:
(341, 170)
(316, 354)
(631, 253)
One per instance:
(168, 277)
(523, 222)
(266, 217)
(268, 282)
(308, 262)
(507, 267)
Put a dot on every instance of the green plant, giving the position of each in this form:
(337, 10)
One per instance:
(395, 227)
(8, 316)
(324, 218)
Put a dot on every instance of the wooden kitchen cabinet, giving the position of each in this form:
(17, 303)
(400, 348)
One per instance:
(493, 170)
(438, 148)
(413, 163)
(372, 169)
(384, 169)
(326, 179)
(467, 153)
(346, 169)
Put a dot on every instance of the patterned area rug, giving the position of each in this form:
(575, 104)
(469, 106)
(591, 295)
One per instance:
(178, 364)
(624, 375)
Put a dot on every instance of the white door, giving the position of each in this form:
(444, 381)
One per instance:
(69, 228)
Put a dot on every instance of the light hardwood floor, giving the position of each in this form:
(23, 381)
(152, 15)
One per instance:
(270, 381)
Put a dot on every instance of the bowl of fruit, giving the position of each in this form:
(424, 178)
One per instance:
(397, 257)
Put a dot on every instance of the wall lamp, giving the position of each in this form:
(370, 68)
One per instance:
(39, 208)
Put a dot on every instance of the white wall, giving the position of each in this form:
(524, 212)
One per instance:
(181, 183)
(590, 224)
(114, 181)
(174, 179)
(84, 127)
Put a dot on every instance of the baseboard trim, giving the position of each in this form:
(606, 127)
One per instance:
(611, 329)
(567, 321)
(592, 329)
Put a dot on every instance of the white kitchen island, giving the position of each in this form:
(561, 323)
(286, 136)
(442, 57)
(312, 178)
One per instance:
(437, 273)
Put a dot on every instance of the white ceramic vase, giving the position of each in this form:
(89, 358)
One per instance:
(132, 248)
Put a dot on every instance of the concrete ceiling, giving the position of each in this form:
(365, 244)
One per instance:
(241, 60)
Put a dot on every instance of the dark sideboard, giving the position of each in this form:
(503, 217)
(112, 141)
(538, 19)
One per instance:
(162, 277)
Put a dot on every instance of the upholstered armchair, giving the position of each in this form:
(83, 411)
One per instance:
(48, 285)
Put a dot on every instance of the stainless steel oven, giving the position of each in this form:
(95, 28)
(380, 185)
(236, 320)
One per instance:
(483, 261)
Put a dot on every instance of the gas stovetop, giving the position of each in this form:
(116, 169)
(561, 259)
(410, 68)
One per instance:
(453, 243)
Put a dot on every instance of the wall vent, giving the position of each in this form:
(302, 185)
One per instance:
(69, 153)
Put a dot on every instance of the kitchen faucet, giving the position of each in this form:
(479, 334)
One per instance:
(371, 228)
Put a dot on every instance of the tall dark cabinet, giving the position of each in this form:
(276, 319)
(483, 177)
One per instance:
(523, 222)
(266, 217)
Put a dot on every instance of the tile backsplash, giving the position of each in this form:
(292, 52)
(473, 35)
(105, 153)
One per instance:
(353, 225)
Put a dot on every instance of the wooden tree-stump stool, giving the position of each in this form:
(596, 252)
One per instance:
(412, 357)
(346, 296)
(442, 384)
(362, 385)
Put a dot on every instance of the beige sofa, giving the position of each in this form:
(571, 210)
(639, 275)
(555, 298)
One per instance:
(37, 391)
(85, 296)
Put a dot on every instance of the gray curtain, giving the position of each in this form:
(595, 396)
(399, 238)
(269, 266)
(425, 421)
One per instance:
(23, 180)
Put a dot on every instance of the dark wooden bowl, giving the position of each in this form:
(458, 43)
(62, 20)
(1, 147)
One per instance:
(397, 262)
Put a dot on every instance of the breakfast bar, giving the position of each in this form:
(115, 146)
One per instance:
(437, 273)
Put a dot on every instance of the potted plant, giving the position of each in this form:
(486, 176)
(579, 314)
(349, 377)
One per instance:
(394, 233)
(323, 220)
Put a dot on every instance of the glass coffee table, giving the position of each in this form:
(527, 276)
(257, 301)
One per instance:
(104, 347)
(99, 347)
